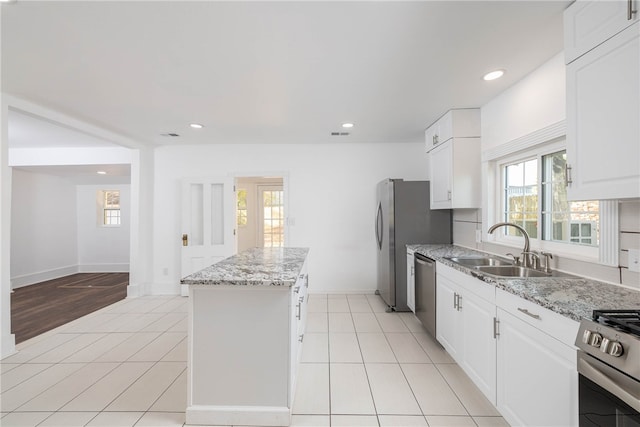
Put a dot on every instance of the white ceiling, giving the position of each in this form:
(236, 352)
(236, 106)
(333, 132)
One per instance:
(264, 71)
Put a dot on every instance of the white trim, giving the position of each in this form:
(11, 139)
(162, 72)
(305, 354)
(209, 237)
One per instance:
(609, 237)
(238, 415)
(8, 345)
(526, 142)
(114, 267)
(41, 276)
(56, 273)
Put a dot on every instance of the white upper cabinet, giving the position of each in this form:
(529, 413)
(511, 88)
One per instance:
(453, 143)
(603, 106)
(460, 123)
(590, 23)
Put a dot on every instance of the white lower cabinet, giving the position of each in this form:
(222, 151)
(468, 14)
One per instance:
(519, 354)
(464, 326)
(537, 377)
(537, 373)
(411, 281)
(298, 312)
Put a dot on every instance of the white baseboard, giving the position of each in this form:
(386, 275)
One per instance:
(8, 345)
(163, 289)
(104, 268)
(343, 291)
(41, 276)
(55, 273)
(134, 290)
(238, 415)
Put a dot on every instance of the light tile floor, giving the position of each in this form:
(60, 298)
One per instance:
(125, 365)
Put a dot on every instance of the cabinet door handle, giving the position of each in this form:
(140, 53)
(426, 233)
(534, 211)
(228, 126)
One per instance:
(448, 194)
(301, 337)
(459, 306)
(528, 313)
(630, 11)
(455, 300)
(298, 311)
(496, 332)
(296, 289)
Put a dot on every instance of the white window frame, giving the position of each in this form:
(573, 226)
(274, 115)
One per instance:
(102, 208)
(542, 141)
(575, 251)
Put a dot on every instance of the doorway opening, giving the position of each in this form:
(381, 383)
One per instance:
(260, 212)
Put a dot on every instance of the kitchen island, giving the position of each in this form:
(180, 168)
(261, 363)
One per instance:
(246, 323)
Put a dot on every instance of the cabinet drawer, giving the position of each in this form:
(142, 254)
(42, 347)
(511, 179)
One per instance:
(560, 327)
(590, 23)
(484, 290)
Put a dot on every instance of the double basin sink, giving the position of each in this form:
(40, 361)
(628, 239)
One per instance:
(499, 267)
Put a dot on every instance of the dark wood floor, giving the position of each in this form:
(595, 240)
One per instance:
(38, 308)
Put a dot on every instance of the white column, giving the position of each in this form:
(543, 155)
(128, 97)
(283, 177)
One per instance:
(141, 258)
(7, 339)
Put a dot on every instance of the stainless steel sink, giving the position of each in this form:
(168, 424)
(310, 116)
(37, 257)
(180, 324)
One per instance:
(512, 271)
(480, 261)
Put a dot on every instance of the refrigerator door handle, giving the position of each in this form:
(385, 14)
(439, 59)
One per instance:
(379, 226)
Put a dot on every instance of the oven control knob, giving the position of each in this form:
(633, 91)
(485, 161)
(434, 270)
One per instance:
(595, 340)
(604, 345)
(615, 349)
(586, 336)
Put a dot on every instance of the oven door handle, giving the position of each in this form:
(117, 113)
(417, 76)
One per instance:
(616, 383)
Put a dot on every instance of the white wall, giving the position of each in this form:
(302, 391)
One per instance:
(535, 102)
(43, 227)
(331, 198)
(102, 248)
(55, 231)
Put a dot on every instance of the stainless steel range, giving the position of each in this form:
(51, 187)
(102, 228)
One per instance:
(609, 369)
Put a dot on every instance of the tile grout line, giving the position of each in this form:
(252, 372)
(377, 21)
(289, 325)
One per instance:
(454, 392)
(364, 366)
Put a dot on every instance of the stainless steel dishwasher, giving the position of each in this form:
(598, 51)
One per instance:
(426, 292)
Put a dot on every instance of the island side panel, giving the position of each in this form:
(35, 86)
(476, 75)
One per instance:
(239, 346)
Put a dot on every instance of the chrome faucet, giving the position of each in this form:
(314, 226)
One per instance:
(526, 259)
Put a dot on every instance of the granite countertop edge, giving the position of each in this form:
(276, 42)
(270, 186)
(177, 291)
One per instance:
(273, 267)
(572, 296)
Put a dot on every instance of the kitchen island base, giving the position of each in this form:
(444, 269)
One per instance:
(244, 345)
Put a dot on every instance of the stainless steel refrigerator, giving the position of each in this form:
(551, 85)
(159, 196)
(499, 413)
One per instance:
(403, 217)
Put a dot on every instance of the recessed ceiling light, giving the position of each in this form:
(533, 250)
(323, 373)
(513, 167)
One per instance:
(347, 125)
(493, 75)
(102, 173)
(196, 125)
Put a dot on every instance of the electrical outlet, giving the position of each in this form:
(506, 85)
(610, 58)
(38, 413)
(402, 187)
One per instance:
(478, 236)
(634, 260)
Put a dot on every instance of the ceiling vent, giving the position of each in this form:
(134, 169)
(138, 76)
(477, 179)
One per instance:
(171, 134)
(339, 133)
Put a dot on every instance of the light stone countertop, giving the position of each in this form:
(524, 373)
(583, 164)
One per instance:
(572, 296)
(253, 267)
